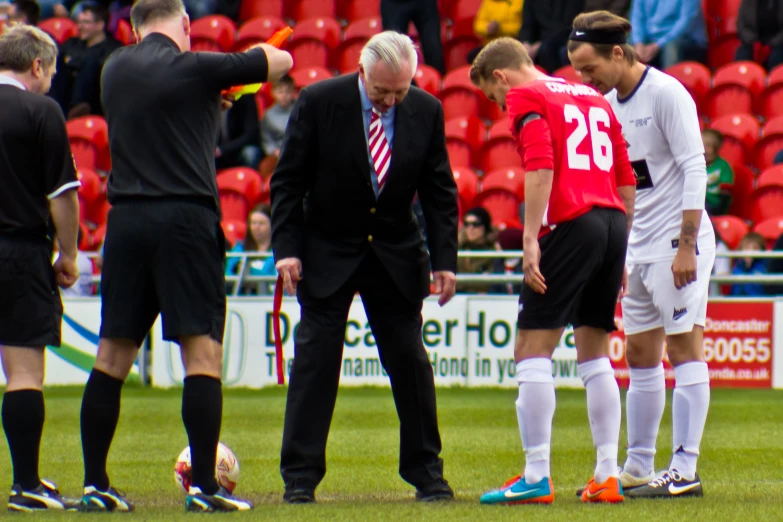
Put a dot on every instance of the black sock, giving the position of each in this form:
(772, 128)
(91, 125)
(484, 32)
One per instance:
(23, 420)
(202, 413)
(100, 413)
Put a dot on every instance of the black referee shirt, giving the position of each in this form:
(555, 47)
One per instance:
(163, 111)
(36, 163)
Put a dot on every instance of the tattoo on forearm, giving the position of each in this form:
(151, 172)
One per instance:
(688, 233)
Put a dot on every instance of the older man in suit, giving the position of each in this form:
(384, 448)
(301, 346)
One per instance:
(357, 149)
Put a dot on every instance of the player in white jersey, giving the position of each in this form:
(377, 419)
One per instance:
(671, 251)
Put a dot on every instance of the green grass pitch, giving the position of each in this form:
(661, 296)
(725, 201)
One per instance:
(741, 464)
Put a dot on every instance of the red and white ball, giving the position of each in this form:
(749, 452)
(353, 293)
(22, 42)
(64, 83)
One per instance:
(226, 469)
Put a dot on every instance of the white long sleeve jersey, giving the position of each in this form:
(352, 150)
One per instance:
(661, 126)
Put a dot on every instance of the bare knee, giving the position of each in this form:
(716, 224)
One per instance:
(116, 357)
(202, 355)
(23, 367)
(644, 350)
(532, 344)
(591, 343)
(686, 347)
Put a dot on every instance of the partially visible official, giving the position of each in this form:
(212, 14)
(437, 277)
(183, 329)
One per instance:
(165, 251)
(38, 187)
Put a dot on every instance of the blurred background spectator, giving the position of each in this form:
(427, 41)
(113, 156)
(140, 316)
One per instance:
(720, 177)
(496, 18)
(546, 25)
(77, 84)
(275, 121)
(750, 266)
(775, 266)
(397, 15)
(618, 7)
(760, 22)
(666, 32)
(25, 12)
(257, 239)
(477, 233)
(722, 265)
(239, 143)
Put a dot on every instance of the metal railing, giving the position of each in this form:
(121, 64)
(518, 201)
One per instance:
(236, 281)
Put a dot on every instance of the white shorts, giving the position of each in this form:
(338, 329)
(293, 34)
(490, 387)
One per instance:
(653, 300)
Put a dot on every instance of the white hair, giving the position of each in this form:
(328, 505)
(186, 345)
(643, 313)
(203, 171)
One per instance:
(392, 48)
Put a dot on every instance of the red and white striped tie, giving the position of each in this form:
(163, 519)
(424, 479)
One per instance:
(379, 148)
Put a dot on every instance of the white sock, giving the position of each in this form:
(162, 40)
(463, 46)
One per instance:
(690, 403)
(535, 409)
(644, 406)
(604, 412)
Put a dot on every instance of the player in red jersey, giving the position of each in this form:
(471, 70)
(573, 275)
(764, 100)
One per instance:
(579, 187)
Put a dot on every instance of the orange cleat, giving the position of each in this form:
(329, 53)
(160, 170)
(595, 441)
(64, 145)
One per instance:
(610, 491)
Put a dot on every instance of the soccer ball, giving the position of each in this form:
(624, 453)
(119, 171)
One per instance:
(226, 469)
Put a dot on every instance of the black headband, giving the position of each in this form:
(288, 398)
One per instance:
(598, 36)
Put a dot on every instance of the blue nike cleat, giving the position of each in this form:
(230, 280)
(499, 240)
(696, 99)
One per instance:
(517, 491)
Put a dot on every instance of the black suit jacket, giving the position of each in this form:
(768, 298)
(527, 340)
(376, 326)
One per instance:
(324, 210)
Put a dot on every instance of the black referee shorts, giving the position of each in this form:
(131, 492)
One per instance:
(31, 311)
(582, 262)
(163, 257)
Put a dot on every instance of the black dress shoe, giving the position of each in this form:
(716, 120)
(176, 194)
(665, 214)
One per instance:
(435, 492)
(299, 492)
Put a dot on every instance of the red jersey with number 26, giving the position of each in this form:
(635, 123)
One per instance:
(578, 137)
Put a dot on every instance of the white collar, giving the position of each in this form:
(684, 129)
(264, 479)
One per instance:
(7, 80)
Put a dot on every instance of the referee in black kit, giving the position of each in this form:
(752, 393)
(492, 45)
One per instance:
(37, 182)
(165, 250)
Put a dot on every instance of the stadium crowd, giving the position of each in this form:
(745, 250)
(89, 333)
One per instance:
(725, 52)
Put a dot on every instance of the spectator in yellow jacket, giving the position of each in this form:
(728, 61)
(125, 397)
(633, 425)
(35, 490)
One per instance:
(496, 18)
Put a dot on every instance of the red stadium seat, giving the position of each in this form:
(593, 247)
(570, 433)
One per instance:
(257, 30)
(365, 28)
(85, 242)
(89, 137)
(309, 52)
(459, 96)
(568, 73)
(770, 144)
(460, 153)
(455, 50)
(502, 204)
(124, 32)
(60, 28)
(234, 230)
(500, 129)
(467, 188)
(303, 9)
(468, 129)
(722, 51)
(723, 9)
(89, 191)
(766, 202)
(731, 229)
(346, 57)
(695, 77)
(324, 29)
(255, 8)
(428, 79)
(771, 177)
(734, 88)
(770, 104)
(498, 153)
(460, 27)
(309, 75)
(771, 229)
(740, 133)
(460, 9)
(510, 178)
(740, 192)
(353, 10)
(212, 33)
(240, 189)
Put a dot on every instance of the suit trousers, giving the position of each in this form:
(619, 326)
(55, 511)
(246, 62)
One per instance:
(315, 374)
